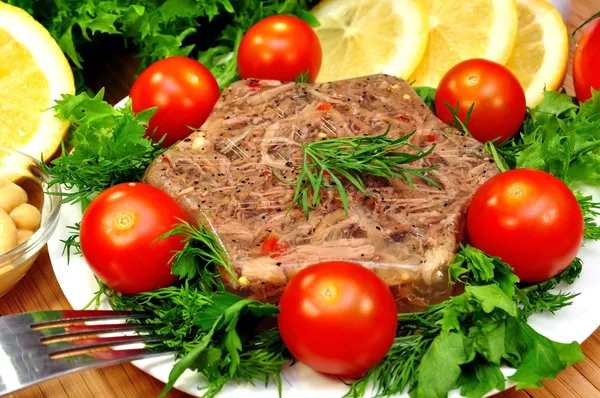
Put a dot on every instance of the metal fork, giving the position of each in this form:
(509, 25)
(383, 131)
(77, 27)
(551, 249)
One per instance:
(39, 346)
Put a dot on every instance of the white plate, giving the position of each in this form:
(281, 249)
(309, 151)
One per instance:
(576, 322)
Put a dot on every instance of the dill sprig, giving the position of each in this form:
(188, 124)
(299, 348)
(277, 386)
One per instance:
(202, 246)
(72, 242)
(325, 163)
(538, 298)
(591, 210)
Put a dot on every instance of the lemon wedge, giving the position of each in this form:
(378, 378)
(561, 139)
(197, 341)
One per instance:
(33, 72)
(541, 53)
(461, 30)
(364, 37)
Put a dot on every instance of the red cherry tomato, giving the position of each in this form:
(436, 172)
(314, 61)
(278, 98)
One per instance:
(279, 47)
(184, 91)
(119, 232)
(586, 62)
(528, 218)
(338, 318)
(497, 96)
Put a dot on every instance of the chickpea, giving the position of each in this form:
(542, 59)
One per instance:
(8, 233)
(26, 216)
(11, 196)
(23, 235)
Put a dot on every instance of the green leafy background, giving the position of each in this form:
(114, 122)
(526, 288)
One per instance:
(209, 30)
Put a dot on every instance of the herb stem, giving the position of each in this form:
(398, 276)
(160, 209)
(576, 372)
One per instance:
(326, 163)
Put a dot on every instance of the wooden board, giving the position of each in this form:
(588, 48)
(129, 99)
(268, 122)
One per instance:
(39, 289)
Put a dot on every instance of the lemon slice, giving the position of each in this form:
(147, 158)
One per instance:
(33, 72)
(461, 30)
(364, 37)
(541, 53)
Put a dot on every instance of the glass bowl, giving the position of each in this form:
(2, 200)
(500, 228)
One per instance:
(27, 172)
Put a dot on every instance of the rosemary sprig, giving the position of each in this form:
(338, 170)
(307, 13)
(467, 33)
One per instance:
(325, 163)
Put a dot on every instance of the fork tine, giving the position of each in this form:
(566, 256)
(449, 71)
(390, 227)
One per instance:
(106, 357)
(74, 332)
(65, 349)
(60, 318)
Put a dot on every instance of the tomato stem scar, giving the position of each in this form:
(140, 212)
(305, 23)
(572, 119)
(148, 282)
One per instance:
(124, 220)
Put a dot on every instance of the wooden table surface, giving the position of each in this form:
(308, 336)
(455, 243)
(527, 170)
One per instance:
(39, 289)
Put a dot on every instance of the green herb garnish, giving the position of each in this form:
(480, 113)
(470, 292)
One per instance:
(490, 148)
(202, 246)
(72, 242)
(562, 138)
(457, 123)
(427, 94)
(213, 333)
(303, 77)
(109, 143)
(325, 162)
(591, 210)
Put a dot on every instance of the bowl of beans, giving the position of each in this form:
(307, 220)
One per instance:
(29, 212)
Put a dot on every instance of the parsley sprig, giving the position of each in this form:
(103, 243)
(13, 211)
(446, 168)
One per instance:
(109, 147)
(325, 163)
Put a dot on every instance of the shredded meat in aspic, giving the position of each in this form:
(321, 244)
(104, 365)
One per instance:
(238, 174)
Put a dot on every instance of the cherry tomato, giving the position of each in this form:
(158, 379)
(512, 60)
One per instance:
(338, 318)
(184, 91)
(279, 47)
(585, 63)
(497, 96)
(528, 218)
(119, 232)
